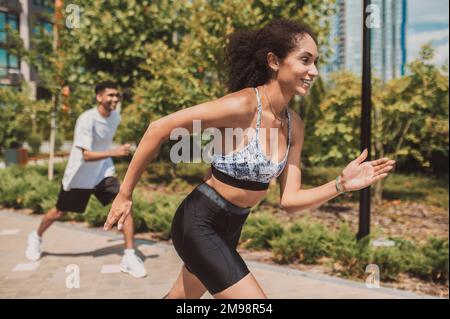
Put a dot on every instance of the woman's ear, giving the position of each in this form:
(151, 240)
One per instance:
(272, 61)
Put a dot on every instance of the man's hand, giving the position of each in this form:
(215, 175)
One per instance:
(122, 150)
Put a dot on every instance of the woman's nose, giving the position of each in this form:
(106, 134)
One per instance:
(313, 70)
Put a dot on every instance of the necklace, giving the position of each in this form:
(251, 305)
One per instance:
(281, 120)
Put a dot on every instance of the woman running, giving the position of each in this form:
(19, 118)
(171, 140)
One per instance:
(267, 68)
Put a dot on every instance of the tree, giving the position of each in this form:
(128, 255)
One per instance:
(409, 118)
(191, 70)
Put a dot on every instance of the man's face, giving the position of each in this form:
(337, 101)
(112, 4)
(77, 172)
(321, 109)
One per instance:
(108, 98)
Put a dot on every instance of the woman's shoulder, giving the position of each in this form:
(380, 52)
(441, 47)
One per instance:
(297, 125)
(243, 101)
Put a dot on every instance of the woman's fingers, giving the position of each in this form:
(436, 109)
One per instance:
(113, 217)
(117, 215)
(383, 166)
(379, 161)
(121, 222)
(111, 220)
(123, 217)
(378, 177)
(386, 169)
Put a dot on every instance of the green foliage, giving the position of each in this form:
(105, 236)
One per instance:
(406, 112)
(337, 127)
(390, 262)
(414, 109)
(305, 242)
(20, 188)
(159, 214)
(193, 55)
(95, 214)
(350, 254)
(259, 230)
(39, 189)
(436, 252)
(428, 261)
(14, 117)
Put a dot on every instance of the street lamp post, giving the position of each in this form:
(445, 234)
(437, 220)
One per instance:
(364, 198)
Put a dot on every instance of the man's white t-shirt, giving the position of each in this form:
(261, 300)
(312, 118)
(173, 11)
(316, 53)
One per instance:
(93, 132)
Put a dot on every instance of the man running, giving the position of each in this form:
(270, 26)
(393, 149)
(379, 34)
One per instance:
(90, 170)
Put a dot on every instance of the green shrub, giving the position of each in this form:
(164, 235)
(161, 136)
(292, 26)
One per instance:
(39, 189)
(429, 261)
(28, 188)
(352, 254)
(390, 262)
(96, 214)
(304, 241)
(12, 187)
(35, 141)
(158, 217)
(140, 210)
(436, 252)
(285, 249)
(259, 230)
(413, 260)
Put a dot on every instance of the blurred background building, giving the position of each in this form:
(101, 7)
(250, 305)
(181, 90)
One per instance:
(389, 50)
(28, 17)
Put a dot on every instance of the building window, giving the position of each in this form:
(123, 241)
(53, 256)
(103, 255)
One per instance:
(8, 62)
(43, 27)
(44, 4)
(7, 19)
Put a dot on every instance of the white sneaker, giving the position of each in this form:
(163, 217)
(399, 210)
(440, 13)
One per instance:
(34, 250)
(133, 265)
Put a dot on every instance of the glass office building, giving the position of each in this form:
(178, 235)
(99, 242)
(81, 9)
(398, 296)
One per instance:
(388, 43)
(27, 17)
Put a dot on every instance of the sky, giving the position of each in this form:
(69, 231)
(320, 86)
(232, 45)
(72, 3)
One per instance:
(428, 21)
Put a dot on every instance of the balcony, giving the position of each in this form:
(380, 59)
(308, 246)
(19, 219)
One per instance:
(10, 76)
(11, 6)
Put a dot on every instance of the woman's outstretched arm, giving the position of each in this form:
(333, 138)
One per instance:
(229, 111)
(356, 175)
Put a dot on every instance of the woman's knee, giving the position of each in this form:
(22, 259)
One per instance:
(246, 288)
(187, 286)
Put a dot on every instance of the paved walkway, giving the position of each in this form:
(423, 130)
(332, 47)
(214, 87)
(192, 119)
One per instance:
(97, 255)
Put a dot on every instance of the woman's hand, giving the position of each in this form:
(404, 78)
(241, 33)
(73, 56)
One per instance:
(120, 209)
(358, 175)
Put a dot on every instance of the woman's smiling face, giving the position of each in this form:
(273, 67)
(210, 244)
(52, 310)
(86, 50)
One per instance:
(298, 70)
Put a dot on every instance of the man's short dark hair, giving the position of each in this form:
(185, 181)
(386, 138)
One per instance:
(101, 86)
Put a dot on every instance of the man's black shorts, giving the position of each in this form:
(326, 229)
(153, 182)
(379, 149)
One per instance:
(76, 199)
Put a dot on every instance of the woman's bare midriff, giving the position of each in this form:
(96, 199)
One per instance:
(237, 196)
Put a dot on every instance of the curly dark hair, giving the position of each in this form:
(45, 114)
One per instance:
(246, 53)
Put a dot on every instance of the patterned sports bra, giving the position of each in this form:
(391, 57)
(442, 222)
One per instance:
(249, 168)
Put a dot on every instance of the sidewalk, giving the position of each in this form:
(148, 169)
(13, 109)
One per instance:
(98, 254)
